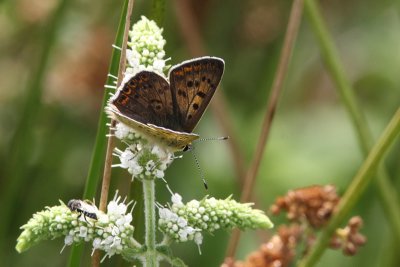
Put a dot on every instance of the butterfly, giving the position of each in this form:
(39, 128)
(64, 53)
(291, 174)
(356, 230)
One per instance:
(167, 111)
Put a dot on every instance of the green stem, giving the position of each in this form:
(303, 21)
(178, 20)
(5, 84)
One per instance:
(99, 149)
(150, 223)
(387, 192)
(355, 190)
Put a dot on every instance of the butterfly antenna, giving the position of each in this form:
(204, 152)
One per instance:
(211, 139)
(198, 167)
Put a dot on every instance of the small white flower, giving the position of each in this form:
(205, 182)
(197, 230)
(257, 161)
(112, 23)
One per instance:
(83, 231)
(68, 240)
(182, 222)
(122, 131)
(159, 65)
(127, 159)
(198, 238)
(176, 199)
(96, 243)
(159, 174)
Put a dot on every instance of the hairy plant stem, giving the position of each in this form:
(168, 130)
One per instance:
(355, 189)
(150, 223)
(387, 192)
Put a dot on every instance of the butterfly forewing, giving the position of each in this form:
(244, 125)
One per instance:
(146, 98)
(193, 83)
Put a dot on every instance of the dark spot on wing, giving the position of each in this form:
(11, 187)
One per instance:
(189, 83)
(126, 90)
(201, 94)
(122, 99)
(182, 93)
(195, 106)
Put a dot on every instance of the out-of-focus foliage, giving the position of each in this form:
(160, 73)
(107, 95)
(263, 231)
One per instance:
(312, 140)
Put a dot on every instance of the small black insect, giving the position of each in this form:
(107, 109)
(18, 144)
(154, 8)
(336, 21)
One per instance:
(85, 208)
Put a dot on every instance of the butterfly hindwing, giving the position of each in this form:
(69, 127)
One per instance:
(173, 140)
(146, 97)
(193, 83)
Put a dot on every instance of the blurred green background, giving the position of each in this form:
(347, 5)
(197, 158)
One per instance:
(312, 139)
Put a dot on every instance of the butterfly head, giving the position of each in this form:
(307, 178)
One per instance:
(188, 147)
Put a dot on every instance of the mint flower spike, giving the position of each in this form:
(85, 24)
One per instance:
(112, 232)
(48, 224)
(142, 159)
(146, 47)
(182, 222)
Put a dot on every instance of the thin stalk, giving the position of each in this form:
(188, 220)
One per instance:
(387, 193)
(105, 186)
(150, 223)
(355, 190)
(251, 175)
(20, 147)
(96, 163)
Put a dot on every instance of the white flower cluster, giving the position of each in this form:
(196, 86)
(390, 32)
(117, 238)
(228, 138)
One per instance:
(209, 214)
(114, 228)
(144, 160)
(177, 227)
(111, 232)
(124, 132)
(146, 47)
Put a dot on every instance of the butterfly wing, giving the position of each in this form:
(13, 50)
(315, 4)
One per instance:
(146, 98)
(193, 83)
(167, 138)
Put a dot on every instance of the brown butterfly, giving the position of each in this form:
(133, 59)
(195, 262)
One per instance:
(167, 112)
